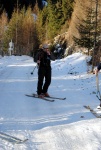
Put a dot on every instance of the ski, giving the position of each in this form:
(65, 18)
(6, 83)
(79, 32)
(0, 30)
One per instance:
(58, 98)
(53, 97)
(36, 96)
(11, 139)
(93, 111)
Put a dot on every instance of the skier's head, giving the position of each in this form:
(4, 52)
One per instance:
(45, 46)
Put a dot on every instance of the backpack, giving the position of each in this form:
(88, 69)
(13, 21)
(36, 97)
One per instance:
(36, 54)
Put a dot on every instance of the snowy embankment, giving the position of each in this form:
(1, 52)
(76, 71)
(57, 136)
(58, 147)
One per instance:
(58, 125)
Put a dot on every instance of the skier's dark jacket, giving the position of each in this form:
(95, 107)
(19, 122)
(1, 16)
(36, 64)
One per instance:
(45, 59)
(99, 66)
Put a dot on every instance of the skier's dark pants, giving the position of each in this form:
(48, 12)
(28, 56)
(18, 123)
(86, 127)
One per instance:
(43, 72)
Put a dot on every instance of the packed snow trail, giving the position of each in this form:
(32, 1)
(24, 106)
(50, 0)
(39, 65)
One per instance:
(61, 125)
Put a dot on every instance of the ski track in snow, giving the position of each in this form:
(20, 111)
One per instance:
(61, 125)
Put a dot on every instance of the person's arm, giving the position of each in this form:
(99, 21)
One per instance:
(52, 57)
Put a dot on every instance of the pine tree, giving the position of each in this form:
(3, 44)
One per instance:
(67, 7)
(3, 27)
(60, 13)
(30, 34)
(41, 24)
(86, 30)
(12, 29)
(21, 29)
(54, 25)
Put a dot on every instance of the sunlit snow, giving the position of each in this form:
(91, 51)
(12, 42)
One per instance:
(58, 125)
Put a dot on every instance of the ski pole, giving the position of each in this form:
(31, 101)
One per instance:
(36, 66)
(33, 69)
(98, 89)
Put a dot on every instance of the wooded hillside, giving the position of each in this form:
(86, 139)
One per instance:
(71, 23)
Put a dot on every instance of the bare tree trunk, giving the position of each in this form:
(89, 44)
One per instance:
(96, 13)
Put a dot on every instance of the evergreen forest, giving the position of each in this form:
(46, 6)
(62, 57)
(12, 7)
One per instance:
(72, 24)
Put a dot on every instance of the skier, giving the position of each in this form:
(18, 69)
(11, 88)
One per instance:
(97, 82)
(98, 69)
(44, 58)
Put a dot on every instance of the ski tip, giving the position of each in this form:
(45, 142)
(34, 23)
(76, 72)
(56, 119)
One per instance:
(25, 140)
(49, 100)
(63, 98)
(21, 141)
(86, 106)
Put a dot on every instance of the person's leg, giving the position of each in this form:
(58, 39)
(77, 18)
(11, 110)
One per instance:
(47, 80)
(41, 74)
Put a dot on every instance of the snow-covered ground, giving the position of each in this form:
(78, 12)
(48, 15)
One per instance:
(58, 125)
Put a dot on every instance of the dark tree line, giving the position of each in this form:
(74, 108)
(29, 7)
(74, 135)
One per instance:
(9, 5)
